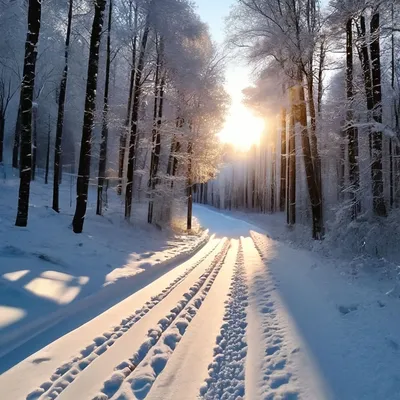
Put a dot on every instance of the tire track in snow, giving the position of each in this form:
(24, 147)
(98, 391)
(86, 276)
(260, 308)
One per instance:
(226, 372)
(279, 380)
(66, 373)
(169, 331)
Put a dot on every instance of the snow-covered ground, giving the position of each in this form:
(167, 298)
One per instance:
(48, 273)
(245, 317)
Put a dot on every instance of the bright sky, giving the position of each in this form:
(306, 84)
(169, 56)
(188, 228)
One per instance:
(242, 128)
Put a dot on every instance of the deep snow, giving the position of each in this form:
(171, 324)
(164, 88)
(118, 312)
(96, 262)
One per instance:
(244, 317)
(51, 276)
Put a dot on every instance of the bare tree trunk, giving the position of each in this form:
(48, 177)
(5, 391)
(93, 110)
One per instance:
(273, 178)
(395, 115)
(284, 160)
(379, 206)
(366, 68)
(123, 136)
(134, 122)
(17, 138)
(27, 87)
(154, 133)
(201, 193)
(175, 148)
(34, 144)
(60, 116)
(189, 189)
(316, 160)
(104, 129)
(291, 203)
(46, 176)
(82, 185)
(320, 77)
(2, 125)
(157, 142)
(351, 130)
(311, 173)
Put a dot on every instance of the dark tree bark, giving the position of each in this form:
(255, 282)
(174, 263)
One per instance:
(320, 77)
(282, 196)
(122, 139)
(395, 114)
(154, 133)
(201, 193)
(82, 184)
(134, 122)
(60, 115)
(291, 203)
(351, 130)
(311, 173)
(175, 149)
(315, 158)
(189, 189)
(2, 125)
(27, 87)
(104, 129)
(366, 68)
(34, 144)
(379, 206)
(273, 180)
(46, 176)
(6, 94)
(17, 137)
(156, 146)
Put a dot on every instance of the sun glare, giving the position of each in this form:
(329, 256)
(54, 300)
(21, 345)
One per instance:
(242, 128)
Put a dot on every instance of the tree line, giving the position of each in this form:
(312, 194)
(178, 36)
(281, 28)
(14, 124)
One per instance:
(327, 84)
(151, 100)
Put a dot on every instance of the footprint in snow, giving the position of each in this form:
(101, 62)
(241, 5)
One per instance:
(347, 309)
(392, 343)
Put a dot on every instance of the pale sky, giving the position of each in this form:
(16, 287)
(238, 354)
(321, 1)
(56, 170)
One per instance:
(241, 128)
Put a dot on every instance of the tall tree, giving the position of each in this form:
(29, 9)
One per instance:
(156, 136)
(104, 129)
(17, 139)
(189, 188)
(60, 114)
(125, 128)
(34, 140)
(351, 130)
(379, 205)
(6, 94)
(291, 203)
(282, 196)
(134, 120)
(82, 184)
(27, 88)
(46, 176)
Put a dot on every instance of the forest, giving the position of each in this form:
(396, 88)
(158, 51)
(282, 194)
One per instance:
(327, 84)
(120, 94)
(128, 95)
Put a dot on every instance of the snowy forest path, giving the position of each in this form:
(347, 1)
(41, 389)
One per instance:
(73, 352)
(96, 361)
(245, 317)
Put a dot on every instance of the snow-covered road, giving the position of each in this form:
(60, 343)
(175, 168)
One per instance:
(245, 317)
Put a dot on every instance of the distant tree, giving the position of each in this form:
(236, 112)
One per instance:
(104, 128)
(60, 114)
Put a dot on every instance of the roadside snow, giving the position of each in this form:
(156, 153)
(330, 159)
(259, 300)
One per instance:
(262, 320)
(48, 273)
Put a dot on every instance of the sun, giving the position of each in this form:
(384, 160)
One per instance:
(242, 129)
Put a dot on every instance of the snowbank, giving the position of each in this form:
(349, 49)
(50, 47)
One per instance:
(48, 273)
